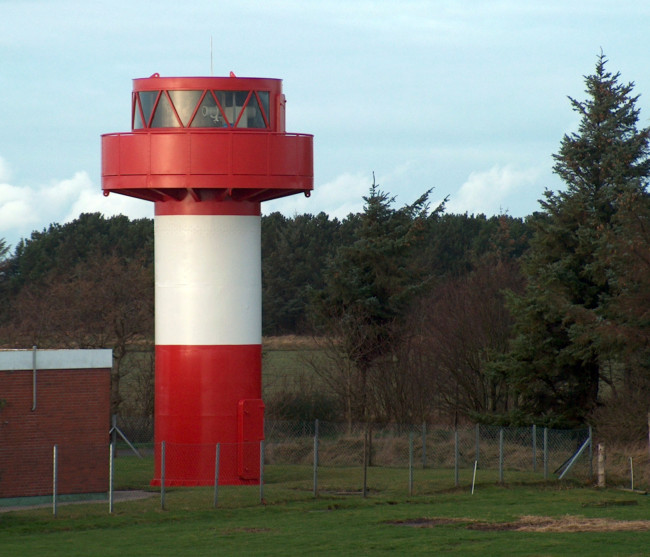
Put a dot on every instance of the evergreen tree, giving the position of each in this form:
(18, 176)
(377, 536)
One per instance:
(557, 355)
(368, 287)
(61, 247)
(294, 253)
(624, 329)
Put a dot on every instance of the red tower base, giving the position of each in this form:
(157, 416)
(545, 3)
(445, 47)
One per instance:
(190, 380)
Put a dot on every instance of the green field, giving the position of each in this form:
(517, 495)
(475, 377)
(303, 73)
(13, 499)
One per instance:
(289, 366)
(437, 518)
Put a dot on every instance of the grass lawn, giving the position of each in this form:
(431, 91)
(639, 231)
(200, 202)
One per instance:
(288, 367)
(435, 519)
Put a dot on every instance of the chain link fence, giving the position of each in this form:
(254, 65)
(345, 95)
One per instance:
(308, 458)
(534, 450)
(137, 430)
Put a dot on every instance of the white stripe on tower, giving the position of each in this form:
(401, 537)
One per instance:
(208, 280)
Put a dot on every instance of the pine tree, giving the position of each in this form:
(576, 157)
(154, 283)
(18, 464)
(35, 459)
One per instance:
(557, 354)
(368, 286)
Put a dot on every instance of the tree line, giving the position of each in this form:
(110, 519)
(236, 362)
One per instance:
(89, 283)
(419, 315)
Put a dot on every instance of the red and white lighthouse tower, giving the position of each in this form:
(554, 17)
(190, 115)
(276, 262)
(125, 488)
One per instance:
(207, 151)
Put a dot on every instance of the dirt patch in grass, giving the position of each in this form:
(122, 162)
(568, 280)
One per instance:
(246, 530)
(615, 503)
(426, 522)
(534, 524)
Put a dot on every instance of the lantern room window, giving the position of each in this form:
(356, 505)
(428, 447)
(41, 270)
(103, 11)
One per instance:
(185, 103)
(201, 109)
(164, 115)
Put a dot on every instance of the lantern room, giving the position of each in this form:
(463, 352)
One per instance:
(207, 139)
(237, 103)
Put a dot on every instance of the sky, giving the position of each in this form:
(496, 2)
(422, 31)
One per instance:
(468, 98)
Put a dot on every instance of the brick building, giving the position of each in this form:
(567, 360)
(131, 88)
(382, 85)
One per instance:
(54, 397)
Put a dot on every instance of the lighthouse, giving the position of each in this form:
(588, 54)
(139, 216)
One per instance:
(207, 151)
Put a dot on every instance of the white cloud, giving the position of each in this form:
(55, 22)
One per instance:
(24, 209)
(92, 200)
(338, 198)
(490, 192)
(55, 198)
(15, 210)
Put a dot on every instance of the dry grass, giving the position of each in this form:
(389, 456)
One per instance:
(290, 342)
(617, 464)
(392, 449)
(579, 524)
(568, 523)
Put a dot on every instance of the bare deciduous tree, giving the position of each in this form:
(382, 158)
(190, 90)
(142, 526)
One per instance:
(462, 325)
(105, 302)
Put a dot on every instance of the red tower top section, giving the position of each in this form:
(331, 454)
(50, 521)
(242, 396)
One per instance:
(207, 139)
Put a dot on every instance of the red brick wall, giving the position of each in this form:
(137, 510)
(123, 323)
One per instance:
(73, 412)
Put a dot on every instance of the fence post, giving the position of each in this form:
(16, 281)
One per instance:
(478, 443)
(114, 432)
(365, 463)
(216, 475)
(474, 476)
(546, 453)
(501, 455)
(411, 463)
(456, 458)
(601, 465)
(55, 477)
(162, 475)
(534, 448)
(424, 445)
(316, 458)
(111, 474)
(34, 369)
(262, 471)
(649, 432)
(591, 453)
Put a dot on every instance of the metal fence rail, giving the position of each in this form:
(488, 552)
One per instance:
(491, 447)
(396, 446)
(307, 458)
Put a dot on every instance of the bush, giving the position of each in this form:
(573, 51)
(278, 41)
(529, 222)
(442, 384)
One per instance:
(301, 406)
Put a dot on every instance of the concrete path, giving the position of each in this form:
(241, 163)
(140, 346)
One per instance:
(118, 496)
